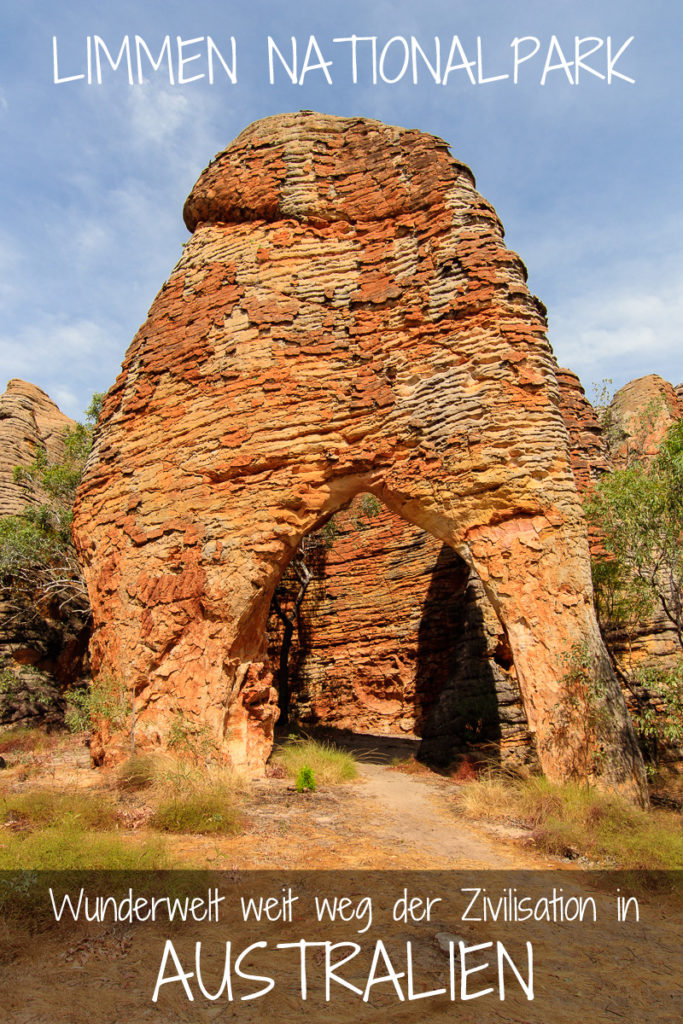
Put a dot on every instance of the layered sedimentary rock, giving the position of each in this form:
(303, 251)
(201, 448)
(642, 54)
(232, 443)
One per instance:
(397, 637)
(587, 446)
(29, 420)
(639, 416)
(42, 646)
(344, 319)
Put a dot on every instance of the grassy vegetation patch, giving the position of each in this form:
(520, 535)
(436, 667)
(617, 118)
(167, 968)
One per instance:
(574, 820)
(44, 808)
(328, 764)
(138, 773)
(22, 739)
(203, 801)
(208, 813)
(69, 848)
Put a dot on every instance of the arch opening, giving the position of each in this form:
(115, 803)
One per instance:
(380, 636)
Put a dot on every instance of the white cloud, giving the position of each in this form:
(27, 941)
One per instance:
(156, 114)
(629, 329)
(68, 359)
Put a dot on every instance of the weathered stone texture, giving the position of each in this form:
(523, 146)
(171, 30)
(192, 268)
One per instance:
(344, 319)
(397, 638)
(588, 450)
(640, 414)
(29, 419)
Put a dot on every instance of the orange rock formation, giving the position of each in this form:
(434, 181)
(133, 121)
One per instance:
(344, 319)
(29, 420)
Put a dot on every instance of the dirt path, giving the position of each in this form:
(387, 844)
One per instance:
(415, 814)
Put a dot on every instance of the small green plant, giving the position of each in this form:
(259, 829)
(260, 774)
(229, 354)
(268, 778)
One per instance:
(305, 780)
(106, 699)
(370, 506)
(78, 714)
(329, 532)
(8, 681)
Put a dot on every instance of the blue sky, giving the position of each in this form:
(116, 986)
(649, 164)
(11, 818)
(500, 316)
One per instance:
(586, 178)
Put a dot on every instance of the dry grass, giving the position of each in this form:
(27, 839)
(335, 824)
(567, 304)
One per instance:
(23, 739)
(139, 772)
(330, 766)
(573, 820)
(200, 801)
(409, 766)
(61, 848)
(50, 827)
(47, 808)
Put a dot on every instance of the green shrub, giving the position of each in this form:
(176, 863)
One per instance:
(305, 780)
(106, 698)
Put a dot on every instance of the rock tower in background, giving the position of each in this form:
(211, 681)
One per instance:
(42, 645)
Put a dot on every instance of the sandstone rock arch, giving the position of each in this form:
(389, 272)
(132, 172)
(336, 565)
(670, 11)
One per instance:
(345, 318)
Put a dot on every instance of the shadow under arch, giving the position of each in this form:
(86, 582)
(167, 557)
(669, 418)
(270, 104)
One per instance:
(396, 648)
(464, 663)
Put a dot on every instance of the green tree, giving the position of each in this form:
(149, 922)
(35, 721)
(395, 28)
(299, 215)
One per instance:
(638, 513)
(38, 564)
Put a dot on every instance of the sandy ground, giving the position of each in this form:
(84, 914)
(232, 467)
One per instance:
(612, 973)
(386, 819)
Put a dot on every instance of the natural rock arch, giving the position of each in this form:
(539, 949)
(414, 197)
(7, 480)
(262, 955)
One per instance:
(396, 647)
(345, 318)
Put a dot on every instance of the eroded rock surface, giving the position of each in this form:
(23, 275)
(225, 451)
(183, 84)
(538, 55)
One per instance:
(344, 319)
(396, 637)
(639, 416)
(29, 420)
